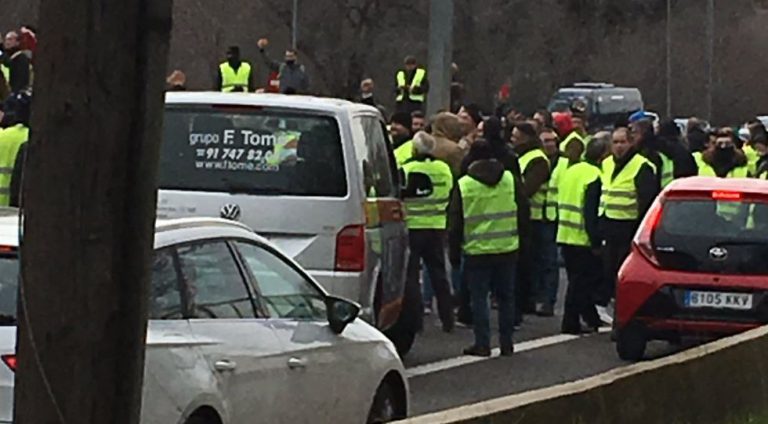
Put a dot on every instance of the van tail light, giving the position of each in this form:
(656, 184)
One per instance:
(644, 238)
(10, 361)
(350, 248)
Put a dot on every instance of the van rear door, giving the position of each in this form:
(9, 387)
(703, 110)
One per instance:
(285, 171)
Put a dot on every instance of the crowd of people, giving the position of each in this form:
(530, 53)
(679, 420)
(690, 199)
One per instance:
(510, 195)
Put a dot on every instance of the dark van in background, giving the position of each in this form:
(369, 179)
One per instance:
(606, 104)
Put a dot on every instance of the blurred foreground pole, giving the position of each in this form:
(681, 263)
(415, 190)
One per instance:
(89, 205)
(669, 60)
(710, 27)
(440, 55)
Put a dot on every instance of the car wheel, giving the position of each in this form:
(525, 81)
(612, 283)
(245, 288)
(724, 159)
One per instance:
(385, 406)
(630, 343)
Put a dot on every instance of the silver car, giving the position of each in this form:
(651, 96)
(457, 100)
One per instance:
(315, 176)
(238, 330)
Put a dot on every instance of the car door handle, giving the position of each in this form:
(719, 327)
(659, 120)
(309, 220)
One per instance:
(297, 363)
(225, 365)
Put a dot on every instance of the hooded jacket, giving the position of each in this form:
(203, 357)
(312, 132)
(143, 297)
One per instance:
(446, 129)
(488, 172)
(722, 169)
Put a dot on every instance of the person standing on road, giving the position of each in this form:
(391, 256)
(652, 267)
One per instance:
(629, 186)
(412, 86)
(483, 223)
(535, 169)
(291, 74)
(579, 236)
(234, 74)
(13, 145)
(575, 141)
(426, 216)
(671, 145)
(16, 65)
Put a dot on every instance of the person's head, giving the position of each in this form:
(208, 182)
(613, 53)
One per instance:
(760, 144)
(756, 128)
(418, 121)
(563, 123)
(291, 56)
(549, 141)
(598, 148)
(642, 132)
(698, 140)
(423, 144)
(481, 150)
(366, 86)
(470, 117)
(400, 126)
(724, 140)
(410, 63)
(579, 122)
(523, 133)
(669, 130)
(233, 53)
(11, 41)
(543, 117)
(620, 142)
(493, 131)
(447, 125)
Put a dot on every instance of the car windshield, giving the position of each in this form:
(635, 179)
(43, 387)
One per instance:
(252, 151)
(738, 228)
(9, 283)
(618, 102)
(562, 100)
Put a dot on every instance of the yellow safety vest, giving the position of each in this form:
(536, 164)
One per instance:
(752, 157)
(539, 198)
(619, 197)
(667, 170)
(697, 156)
(490, 216)
(555, 178)
(6, 73)
(418, 79)
(575, 136)
(11, 140)
(706, 170)
(429, 213)
(403, 153)
(571, 229)
(231, 80)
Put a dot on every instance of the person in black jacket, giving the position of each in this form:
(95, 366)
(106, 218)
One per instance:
(17, 62)
(671, 145)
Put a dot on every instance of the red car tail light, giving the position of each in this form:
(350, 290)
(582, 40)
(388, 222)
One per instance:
(10, 361)
(644, 238)
(350, 249)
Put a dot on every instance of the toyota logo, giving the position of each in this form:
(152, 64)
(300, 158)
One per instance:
(718, 253)
(230, 212)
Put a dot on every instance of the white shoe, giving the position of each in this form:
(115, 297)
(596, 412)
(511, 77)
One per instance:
(605, 315)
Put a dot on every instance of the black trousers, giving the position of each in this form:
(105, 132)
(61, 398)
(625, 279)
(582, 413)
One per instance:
(429, 246)
(617, 245)
(585, 274)
(524, 295)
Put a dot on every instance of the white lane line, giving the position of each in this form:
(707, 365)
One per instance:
(459, 361)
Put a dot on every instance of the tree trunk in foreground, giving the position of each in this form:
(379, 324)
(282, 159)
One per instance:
(89, 206)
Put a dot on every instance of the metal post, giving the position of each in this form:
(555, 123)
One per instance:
(295, 24)
(669, 59)
(710, 56)
(440, 55)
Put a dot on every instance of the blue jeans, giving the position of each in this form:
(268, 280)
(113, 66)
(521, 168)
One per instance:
(545, 273)
(500, 280)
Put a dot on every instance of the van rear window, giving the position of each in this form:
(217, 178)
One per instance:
(690, 229)
(251, 151)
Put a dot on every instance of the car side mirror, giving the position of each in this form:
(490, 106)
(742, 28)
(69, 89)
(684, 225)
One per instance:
(341, 313)
(417, 185)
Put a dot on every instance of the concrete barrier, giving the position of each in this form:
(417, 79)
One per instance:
(709, 384)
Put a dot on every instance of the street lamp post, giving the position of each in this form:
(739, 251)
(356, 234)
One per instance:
(669, 59)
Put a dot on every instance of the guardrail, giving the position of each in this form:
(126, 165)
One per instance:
(711, 384)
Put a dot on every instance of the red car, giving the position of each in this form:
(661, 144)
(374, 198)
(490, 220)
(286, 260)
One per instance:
(698, 265)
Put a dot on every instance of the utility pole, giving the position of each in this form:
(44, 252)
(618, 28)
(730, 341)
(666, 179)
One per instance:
(669, 59)
(440, 55)
(89, 210)
(710, 56)
(295, 25)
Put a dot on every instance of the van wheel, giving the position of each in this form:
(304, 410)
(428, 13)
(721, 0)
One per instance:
(402, 336)
(630, 343)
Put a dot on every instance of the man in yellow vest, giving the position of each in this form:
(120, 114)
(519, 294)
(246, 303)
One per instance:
(483, 225)
(629, 186)
(723, 159)
(426, 216)
(579, 236)
(575, 143)
(544, 273)
(13, 139)
(412, 86)
(234, 74)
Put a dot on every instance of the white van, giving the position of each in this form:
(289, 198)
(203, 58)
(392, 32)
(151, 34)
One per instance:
(315, 176)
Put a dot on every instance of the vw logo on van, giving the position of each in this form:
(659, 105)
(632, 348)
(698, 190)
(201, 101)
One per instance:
(230, 211)
(718, 253)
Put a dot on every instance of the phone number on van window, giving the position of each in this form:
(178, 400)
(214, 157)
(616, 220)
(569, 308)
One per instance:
(251, 155)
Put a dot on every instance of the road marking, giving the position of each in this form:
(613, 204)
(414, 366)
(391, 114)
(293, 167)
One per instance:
(460, 361)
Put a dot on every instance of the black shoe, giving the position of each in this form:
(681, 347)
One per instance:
(546, 311)
(478, 351)
(572, 331)
(508, 350)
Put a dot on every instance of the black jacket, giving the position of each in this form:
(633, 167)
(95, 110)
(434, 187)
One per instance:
(19, 66)
(591, 213)
(488, 172)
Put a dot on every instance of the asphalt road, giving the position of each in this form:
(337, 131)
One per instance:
(442, 378)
